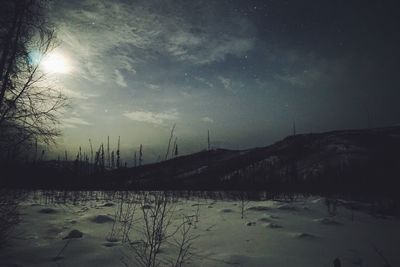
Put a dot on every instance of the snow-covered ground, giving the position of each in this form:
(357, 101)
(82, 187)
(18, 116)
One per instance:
(273, 233)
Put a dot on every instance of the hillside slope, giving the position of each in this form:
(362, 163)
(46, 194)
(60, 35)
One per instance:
(346, 160)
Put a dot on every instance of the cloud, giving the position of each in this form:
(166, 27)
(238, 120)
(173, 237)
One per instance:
(108, 35)
(152, 117)
(119, 79)
(208, 48)
(207, 119)
(77, 94)
(311, 71)
(226, 82)
(67, 125)
(74, 121)
(204, 81)
(151, 86)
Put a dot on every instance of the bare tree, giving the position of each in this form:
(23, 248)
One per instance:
(184, 242)
(91, 151)
(208, 141)
(140, 155)
(157, 231)
(29, 105)
(124, 219)
(169, 142)
(243, 203)
(118, 153)
(157, 217)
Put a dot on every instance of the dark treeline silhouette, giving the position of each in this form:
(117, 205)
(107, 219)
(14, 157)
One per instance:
(353, 162)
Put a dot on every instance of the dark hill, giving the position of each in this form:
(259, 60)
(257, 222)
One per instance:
(346, 161)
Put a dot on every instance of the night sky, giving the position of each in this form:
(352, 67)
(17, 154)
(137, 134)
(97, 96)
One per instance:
(245, 70)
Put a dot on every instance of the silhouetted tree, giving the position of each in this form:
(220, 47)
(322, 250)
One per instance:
(118, 154)
(108, 153)
(29, 108)
(102, 159)
(176, 150)
(112, 160)
(208, 140)
(140, 155)
(91, 150)
(169, 142)
(174, 147)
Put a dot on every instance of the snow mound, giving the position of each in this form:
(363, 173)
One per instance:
(272, 225)
(74, 234)
(241, 260)
(316, 201)
(48, 211)
(226, 210)
(327, 221)
(287, 207)
(268, 217)
(112, 239)
(53, 231)
(111, 244)
(108, 204)
(71, 221)
(101, 219)
(258, 208)
(304, 235)
(265, 219)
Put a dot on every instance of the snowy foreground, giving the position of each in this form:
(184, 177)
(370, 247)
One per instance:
(272, 233)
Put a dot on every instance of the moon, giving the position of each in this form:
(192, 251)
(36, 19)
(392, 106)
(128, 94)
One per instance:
(55, 62)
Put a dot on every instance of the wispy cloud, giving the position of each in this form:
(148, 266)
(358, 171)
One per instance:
(204, 81)
(151, 86)
(226, 82)
(207, 120)
(73, 122)
(109, 35)
(312, 71)
(206, 49)
(77, 94)
(119, 79)
(158, 118)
